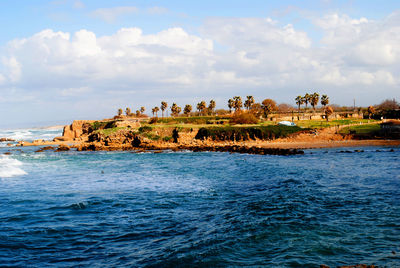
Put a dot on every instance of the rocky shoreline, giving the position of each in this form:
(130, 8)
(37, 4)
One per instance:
(130, 136)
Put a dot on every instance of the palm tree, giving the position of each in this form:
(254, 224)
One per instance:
(128, 111)
(231, 104)
(249, 102)
(142, 109)
(201, 106)
(187, 110)
(299, 101)
(324, 100)
(211, 107)
(307, 99)
(153, 111)
(164, 106)
(238, 104)
(156, 109)
(314, 100)
(174, 109)
(120, 112)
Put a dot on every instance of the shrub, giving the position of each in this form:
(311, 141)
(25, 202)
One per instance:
(153, 120)
(245, 133)
(145, 129)
(244, 118)
(103, 125)
(167, 138)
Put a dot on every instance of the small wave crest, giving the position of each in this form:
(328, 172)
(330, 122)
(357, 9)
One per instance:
(10, 167)
(31, 134)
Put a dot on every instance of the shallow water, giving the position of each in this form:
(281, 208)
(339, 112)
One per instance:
(201, 209)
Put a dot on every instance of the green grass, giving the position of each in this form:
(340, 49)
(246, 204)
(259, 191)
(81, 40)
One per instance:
(361, 129)
(190, 120)
(109, 131)
(246, 133)
(331, 123)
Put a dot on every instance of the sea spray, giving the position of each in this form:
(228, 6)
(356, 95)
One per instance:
(10, 167)
(31, 133)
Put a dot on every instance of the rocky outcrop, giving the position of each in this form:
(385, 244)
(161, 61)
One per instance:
(6, 139)
(78, 130)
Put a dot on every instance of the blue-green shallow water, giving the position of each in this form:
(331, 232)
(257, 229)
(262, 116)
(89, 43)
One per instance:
(107, 209)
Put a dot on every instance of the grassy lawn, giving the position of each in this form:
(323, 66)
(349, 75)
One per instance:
(324, 123)
(361, 129)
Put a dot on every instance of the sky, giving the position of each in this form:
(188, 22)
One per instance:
(83, 59)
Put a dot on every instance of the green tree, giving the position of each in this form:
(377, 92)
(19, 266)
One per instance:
(371, 111)
(211, 106)
(128, 111)
(307, 99)
(120, 112)
(314, 100)
(299, 101)
(231, 104)
(324, 100)
(175, 109)
(142, 109)
(164, 106)
(328, 112)
(268, 106)
(156, 109)
(249, 101)
(201, 106)
(187, 110)
(238, 104)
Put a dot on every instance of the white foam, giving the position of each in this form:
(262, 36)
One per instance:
(10, 167)
(31, 134)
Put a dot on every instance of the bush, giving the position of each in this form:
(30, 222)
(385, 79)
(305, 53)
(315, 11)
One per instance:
(244, 118)
(103, 125)
(145, 129)
(153, 120)
(246, 133)
(167, 138)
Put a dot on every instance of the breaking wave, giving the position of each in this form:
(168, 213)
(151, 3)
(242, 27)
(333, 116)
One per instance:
(10, 167)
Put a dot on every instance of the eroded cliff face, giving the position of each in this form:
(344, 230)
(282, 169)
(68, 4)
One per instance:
(77, 131)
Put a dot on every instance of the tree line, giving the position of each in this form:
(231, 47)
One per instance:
(234, 104)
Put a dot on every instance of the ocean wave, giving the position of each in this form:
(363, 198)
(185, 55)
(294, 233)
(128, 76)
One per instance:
(31, 134)
(10, 167)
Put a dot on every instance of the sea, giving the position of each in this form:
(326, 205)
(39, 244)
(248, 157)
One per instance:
(337, 206)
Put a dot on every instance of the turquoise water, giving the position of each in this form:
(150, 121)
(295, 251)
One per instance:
(184, 209)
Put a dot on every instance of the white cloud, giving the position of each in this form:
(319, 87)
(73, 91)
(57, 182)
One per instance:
(79, 4)
(241, 56)
(76, 91)
(157, 10)
(111, 14)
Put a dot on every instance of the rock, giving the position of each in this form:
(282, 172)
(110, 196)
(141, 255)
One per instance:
(63, 148)
(61, 139)
(44, 149)
(7, 153)
(77, 129)
(6, 139)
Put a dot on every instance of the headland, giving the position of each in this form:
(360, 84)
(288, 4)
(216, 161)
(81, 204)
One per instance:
(219, 134)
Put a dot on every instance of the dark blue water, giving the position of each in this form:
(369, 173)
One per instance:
(119, 209)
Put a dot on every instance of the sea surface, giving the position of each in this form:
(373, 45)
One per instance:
(205, 209)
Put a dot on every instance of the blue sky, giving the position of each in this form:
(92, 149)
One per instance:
(85, 59)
